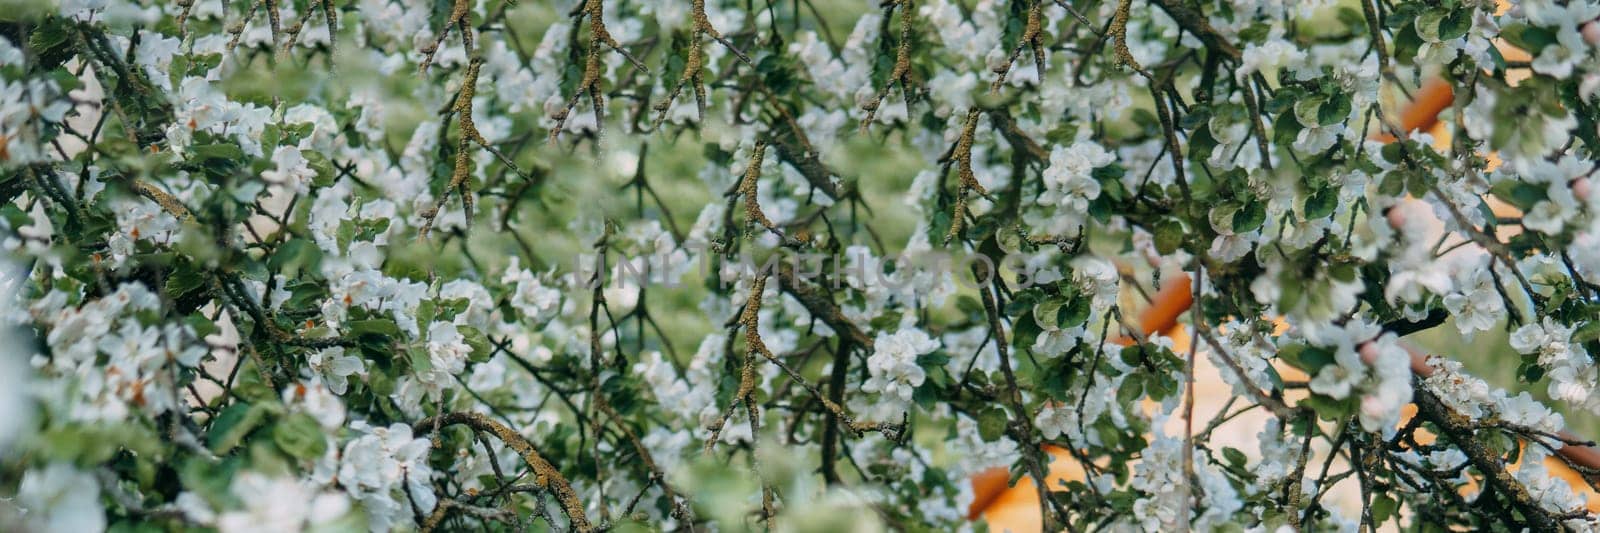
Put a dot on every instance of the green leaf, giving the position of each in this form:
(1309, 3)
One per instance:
(325, 171)
(1196, 117)
(1352, 18)
(1589, 331)
(232, 425)
(1255, 32)
(49, 35)
(1249, 217)
(1334, 110)
(1308, 111)
(1530, 38)
(1321, 203)
(1383, 507)
(298, 255)
(1345, 272)
(1330, 409)
(221, 152)
(1518, 193)
(778, 73)
(1530, 372)
(1418, 183)
(1456, 24)
(50, 41)
(1160, 387)
(1074, 313)
(1235, 457)
(478, 341)
(934, 359)
(1112, 171)
(926, 397)
(886, 321)
(201, 325)
(1427, 24)
(1129, 391)
(992, 424)
(65, 80)
(380, 383)
(1314, 358)
(1286, 128)
(375, 327)
(1110, 436)
(1021, 302)
(420, 361)
(184, 280)
(1393, 152)
(1168, 236)
(1044, 313)
(300, 436)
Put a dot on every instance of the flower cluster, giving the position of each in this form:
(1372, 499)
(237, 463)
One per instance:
(384, 265)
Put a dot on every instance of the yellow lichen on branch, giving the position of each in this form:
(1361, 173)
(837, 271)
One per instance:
(589, 84)
(694, 64)
(462, 171)
(237, 29)
(961, 156)
(167, 202)
(330, 13)
(457, 19)
(902, 65)
(748, 187)
(1032, 39)
(1119, 38)
(750, 320)
(545, 475)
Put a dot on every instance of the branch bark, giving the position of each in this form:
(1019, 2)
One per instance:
(546, 476)
(1458, 429)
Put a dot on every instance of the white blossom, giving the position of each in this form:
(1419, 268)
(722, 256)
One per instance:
(894, 371)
